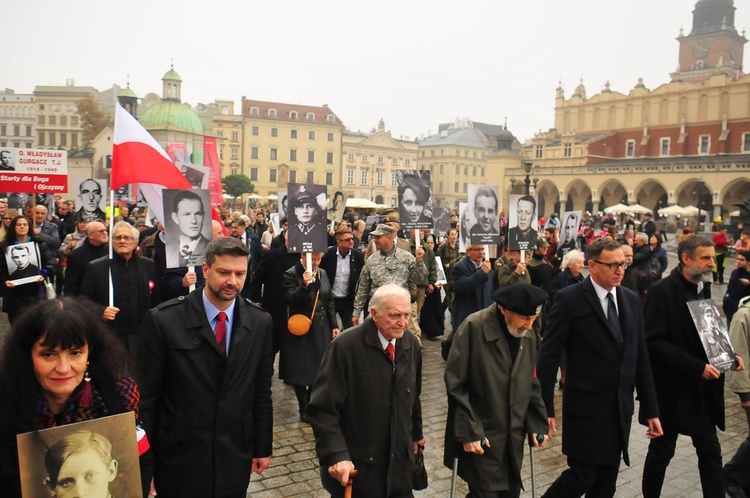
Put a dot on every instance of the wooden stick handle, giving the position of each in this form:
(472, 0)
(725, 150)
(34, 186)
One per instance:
(348, 488)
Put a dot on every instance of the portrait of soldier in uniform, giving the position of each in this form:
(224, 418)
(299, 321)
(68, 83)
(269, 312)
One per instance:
(307, 218)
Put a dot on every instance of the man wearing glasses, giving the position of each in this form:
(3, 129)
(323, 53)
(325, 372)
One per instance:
(134, 282)
(600, 327)
(343, 264)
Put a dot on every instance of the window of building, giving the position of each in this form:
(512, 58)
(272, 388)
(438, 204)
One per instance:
(311, 135)
(474, 154)
(364, 177)
(235, 136)
(52, 141)
(292, 155)
(329, 177)
(310, 116)
(432, 169)
(234, 171)
(41, 138)
(73, 139)
(630, 148)
(664, 151)
(235, 153)
(394, 180)
(221, 153)
(294, 133)
(406, 162)
(330, 136)
(329, 157)
(466, 170)
(539, 151)
(440, 169)
(274, 132)
(704, 144)
(254, 174)
(351, 156)
(310, 156)
(455, 187)
(474, 171)
(272, 113)
(17, 130)
(293, 114)
(16, 144)
(74, 121)
(380, 159)
(272, 175)
(330, 118)
(40, 120)
(440, 186)
(63, 120)
(432, 153)
(567, 150)
(379, 179)
(292, 176)
(63, 140)
(253, 152)
(273, 154)
(28, 145)
(254, 111)
(394, 161)
(365, 158)
(482, 171)
(220, 133)
(3, 130)
(53, 120)
(442, 152)
(422, 153)
(224, 110)
(350, 177)
(746, 142)
(255, 130)
(458, 169)
(311, 177)
(466, 188)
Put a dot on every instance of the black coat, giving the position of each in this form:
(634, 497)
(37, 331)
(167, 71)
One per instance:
(472, 291)
(301, 355)
(598, 397)
(78, 260)
(678, 357)
(366, 410)
(206, 416)
(356, 263)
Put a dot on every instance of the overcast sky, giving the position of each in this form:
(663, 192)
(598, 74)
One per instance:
(414, 63)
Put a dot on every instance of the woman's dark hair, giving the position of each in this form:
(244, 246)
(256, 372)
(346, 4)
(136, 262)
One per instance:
(10, 235)
(421, 190)
(67, 323)
(658, 238)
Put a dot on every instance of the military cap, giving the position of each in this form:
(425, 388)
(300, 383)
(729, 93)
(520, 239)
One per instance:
(301, 196)
(391, 216)
(524, 299)
(383, 229)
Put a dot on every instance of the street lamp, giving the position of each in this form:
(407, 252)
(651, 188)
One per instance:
(527, 167)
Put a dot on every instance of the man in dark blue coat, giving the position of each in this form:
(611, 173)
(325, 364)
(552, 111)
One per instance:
(252, 242)
(343, 264)
(472, 285)
(599, 326)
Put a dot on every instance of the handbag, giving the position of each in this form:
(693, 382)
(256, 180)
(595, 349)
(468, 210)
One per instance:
(419, 476)
(299, 324)
(49, 289)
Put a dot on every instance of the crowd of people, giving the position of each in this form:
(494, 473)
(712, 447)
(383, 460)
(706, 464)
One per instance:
(588, 298)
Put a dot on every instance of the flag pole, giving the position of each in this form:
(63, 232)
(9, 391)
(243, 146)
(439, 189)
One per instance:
(191, 268)
(111, 244)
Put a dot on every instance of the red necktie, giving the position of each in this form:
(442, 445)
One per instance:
(390, 351)
(221, 333)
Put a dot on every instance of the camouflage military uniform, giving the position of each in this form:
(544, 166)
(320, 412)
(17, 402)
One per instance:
(393, 267)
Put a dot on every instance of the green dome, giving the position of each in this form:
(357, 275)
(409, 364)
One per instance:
(170, 115)
(127, 92)
(171, 75)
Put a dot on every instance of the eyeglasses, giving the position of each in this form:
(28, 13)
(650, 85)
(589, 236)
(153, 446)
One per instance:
(7, 219)
(613, 266)
(348, 239)
(127, 238)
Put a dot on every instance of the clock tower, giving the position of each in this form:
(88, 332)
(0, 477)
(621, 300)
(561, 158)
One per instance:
(713, 46)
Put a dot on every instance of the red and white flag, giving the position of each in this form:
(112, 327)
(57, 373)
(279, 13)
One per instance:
(138, 158)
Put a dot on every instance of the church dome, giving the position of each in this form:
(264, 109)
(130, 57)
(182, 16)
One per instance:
(712, 16)
(173, 116)
(171, 75)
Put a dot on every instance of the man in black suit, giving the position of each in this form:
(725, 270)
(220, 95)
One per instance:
(252, 242)
(522, 237)
(207, 363)
(691, 391)
(472, 285)
(93, 247)
(22, 259)
(599, 326)
(343, 264)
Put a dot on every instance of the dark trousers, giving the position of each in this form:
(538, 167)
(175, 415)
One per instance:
(344, 308)
(595, 481)
(513, 492)
(738, 468)
(719, 268)
(661, 451)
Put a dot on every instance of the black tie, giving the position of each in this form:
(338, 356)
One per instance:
(613, 319)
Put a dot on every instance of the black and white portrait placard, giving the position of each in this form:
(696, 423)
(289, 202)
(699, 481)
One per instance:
(414, 198)
(196, 175)
(441, 277)
(307, 218)
(98, 456)
(568, 236)
(522, 223)
(91, 200)
(484, 204)
(23, 263)
(465, 222)
(187, 226)
(713, 333)
(336, 207)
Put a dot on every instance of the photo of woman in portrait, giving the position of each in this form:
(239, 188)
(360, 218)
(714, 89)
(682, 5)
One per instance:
(415, 206)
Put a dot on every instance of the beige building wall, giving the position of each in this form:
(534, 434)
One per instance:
(58, 123)
(227, 127)
(17, 119)
(370, 163)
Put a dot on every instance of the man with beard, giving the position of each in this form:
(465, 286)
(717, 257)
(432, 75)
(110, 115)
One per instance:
(207, 363)
(599, 326)
(690, 390)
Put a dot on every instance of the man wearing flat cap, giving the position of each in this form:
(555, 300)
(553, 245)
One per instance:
(494, 398)
(388, 265)
(599, 326)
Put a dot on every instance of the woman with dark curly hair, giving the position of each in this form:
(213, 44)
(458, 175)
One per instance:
(414, 195)
(16, 297)
(59, 365)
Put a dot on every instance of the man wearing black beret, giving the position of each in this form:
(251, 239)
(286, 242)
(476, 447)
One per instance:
(494, 398)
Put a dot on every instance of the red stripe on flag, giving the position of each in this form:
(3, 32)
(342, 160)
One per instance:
(136, 162)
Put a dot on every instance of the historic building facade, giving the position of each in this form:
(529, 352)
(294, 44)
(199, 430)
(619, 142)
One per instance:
(57, 121)
(370, 163)
(17, 119)
(685, 142)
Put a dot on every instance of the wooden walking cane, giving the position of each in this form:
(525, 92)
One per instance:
(348, 488)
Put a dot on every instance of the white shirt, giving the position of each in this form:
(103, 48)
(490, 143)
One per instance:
(602, 293)
(341, 281)
(384, 342)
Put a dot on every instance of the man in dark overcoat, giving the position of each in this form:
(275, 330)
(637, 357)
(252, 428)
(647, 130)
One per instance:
(494, 399)
(472, 285)
(690, 390)
(600, 327)
(207, 363)
(365, 409)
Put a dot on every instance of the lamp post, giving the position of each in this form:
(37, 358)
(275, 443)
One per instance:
(527, 167)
